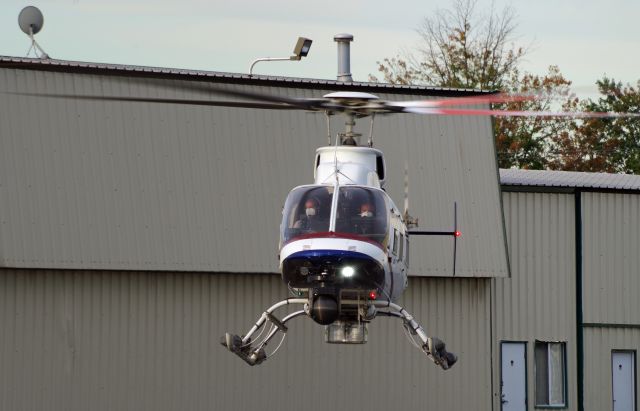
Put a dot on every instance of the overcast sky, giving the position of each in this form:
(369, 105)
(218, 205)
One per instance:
(587, 39)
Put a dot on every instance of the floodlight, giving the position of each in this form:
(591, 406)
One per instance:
(299, 51)
(348, 271)
(302, 48)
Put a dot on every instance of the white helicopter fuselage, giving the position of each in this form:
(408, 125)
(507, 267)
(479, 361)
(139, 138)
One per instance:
(354, 243)
(343, 242)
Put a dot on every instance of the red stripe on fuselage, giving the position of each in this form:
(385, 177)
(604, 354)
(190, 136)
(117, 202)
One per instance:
(330, 234)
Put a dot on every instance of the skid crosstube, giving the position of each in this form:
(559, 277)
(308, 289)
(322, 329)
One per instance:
(243, 347)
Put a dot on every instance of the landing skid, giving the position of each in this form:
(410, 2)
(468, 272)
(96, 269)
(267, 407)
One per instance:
(252, 354)
(433, 347)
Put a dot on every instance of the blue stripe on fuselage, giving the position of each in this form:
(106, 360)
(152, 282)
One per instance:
(331, 254)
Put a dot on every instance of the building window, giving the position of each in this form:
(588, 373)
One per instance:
(550, 374)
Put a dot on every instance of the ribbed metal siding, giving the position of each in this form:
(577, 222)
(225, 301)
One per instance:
(611, 227)
(450, 160)
(538, 301)
(115, 185)
(100, 340)
(598, 343)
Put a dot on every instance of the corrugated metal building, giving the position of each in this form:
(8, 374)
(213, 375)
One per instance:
(574, 248)
(133, 236)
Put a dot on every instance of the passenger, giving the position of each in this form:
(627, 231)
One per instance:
(364, 222)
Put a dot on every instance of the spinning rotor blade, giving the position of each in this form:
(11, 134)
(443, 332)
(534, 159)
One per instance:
(356, 103)
(209, 88)
(515, 113)
(262, 101)
(164, 100)
(460, 101)
(435, 107)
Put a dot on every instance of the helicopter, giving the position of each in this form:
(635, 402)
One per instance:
(344, 244)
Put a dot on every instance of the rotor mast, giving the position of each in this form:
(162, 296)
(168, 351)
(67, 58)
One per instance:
(349, 137)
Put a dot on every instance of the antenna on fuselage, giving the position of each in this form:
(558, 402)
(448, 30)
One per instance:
(328, 116)
(335, 164)
(370, 141)
(410, 221)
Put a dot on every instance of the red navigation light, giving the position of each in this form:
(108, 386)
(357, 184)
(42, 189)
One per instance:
(373, 295)
(457, 233)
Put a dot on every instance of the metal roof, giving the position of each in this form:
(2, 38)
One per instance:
(569, 179)
(106, 68)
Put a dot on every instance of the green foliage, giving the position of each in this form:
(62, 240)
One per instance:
(462, 49)
(522, 142)
(602, 145)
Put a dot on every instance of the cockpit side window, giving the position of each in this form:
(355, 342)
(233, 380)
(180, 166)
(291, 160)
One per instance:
(380, 167)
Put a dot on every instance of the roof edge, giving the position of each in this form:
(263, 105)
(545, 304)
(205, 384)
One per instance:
(67, 66)
(567, 181)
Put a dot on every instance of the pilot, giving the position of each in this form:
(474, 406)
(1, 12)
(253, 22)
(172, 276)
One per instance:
(367, 210)
(310, 214)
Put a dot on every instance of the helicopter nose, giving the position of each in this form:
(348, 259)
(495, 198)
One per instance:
(324, 310)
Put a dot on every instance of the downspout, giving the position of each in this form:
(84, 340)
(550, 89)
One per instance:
(579, 302)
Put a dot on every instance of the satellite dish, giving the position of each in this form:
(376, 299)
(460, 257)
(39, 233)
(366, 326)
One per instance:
(30, 20)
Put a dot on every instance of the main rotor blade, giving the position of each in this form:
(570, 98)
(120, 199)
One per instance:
(221, 103)
(211, 88)
(460, 101)
(515, 113)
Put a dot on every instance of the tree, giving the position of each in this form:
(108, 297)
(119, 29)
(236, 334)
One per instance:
(605, 145)
(523, 142)
(460, 49)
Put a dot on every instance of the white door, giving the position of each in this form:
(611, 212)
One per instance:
(623, 371)
(514, 376)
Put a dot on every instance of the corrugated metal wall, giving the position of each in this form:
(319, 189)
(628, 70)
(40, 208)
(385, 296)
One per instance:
(611, 230)
(611, 288)
(598, 344)
(101, 340)
(538, 301)
(122, 185)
